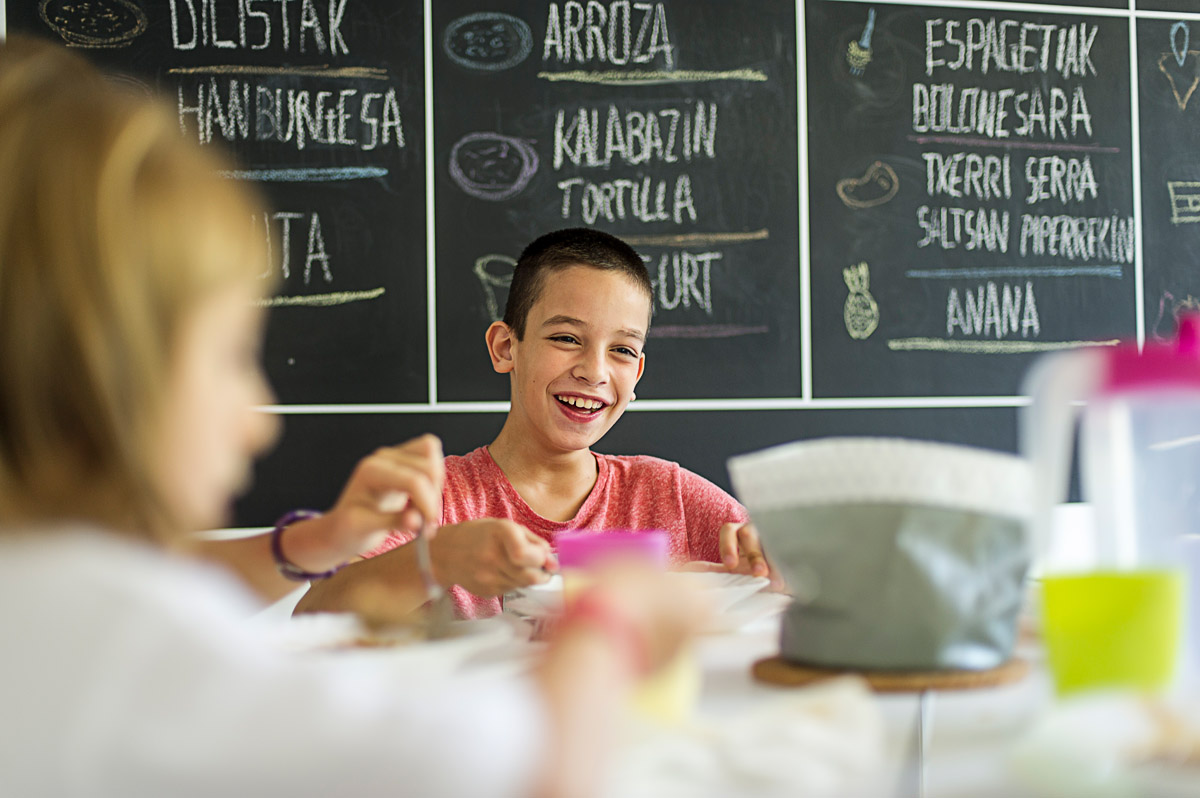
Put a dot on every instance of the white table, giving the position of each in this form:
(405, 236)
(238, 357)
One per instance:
(969, 735)
(969, 732)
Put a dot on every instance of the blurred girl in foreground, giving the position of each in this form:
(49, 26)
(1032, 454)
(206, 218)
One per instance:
(128, 376)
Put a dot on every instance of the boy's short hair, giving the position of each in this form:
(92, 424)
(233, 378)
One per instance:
(576, 246)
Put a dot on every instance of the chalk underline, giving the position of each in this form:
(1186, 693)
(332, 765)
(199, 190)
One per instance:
(1033, 271)
(685, 239)
(976, 141)
(320, 300)
(307, 174)
(323, 70)
(640, 77)
(987, 347)
(707, 330)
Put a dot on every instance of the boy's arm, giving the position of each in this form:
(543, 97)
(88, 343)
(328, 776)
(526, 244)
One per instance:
(487, 557)
(391, 581)
(719, 533)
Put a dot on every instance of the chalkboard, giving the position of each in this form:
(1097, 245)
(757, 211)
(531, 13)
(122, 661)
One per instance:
(652, 122)
(860, 218)
(971, 182)
(1169, 71)
(322, 104)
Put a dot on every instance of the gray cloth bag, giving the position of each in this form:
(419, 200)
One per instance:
(901, 554)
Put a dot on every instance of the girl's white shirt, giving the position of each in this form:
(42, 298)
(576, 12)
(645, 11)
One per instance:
(128, 671)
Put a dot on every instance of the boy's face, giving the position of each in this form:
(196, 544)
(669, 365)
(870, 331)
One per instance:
(575, 370)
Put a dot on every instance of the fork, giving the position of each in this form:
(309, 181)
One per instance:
(439, 611)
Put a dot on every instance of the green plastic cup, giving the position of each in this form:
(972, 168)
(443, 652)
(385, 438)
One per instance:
(1113, 629)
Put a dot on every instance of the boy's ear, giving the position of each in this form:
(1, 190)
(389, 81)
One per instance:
(641, 368)
(500, 338)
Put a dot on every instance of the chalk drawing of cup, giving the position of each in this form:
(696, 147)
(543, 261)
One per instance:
(490, 166)
(94, 23)
(488, 41)
(495, 273)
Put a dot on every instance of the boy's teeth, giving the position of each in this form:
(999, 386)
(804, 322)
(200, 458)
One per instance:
(579, 402)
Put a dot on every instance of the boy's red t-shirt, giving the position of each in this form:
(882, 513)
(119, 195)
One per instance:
(631, 492)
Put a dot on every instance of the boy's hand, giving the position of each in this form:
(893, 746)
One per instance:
(395, 487)
(741, 551)
(489, 557)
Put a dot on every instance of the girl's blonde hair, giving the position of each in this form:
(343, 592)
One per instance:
(112, 229)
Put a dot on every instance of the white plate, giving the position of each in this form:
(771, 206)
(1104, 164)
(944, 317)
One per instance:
(543, 598)
(755, 607)
(722, 591)
(335, 635)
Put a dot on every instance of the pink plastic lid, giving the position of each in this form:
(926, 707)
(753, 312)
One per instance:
(1172, 364)
(583, 549)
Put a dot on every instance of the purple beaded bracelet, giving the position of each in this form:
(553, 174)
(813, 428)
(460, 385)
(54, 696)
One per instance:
(288, 569)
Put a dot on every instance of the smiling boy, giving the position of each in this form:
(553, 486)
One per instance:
(572, 343)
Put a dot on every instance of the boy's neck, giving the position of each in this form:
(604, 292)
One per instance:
(554, 484)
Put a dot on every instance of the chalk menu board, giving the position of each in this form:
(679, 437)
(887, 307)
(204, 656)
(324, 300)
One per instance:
(971, 176)
(322, 104)
(1169, 72)
(652, 122)
(859, 218)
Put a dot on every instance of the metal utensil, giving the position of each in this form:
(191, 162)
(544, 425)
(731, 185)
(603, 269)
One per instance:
(439, 610)
(913, 784)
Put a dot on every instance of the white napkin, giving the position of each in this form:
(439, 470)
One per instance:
(825, 740)
(1112, 744)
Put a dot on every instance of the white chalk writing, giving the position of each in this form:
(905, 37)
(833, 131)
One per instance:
(1065, 179)
(1107, 238)
(969, 228)
(261, 112)
(1009, 46)
(194, 23)
(614, 33)
(947, 108)
(280, 232)
(684, 278)
(647, 199)
(667, 135)
(967, 174)
(991, 311)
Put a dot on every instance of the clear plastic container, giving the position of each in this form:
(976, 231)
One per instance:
(1114, 609)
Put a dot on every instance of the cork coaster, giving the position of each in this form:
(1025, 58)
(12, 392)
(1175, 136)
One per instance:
(776, 670)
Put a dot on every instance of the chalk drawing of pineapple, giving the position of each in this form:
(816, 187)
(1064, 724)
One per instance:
(861, 312)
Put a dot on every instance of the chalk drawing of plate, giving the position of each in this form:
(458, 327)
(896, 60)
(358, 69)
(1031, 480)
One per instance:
(491, 166)
(489, 41)
(94, 23)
